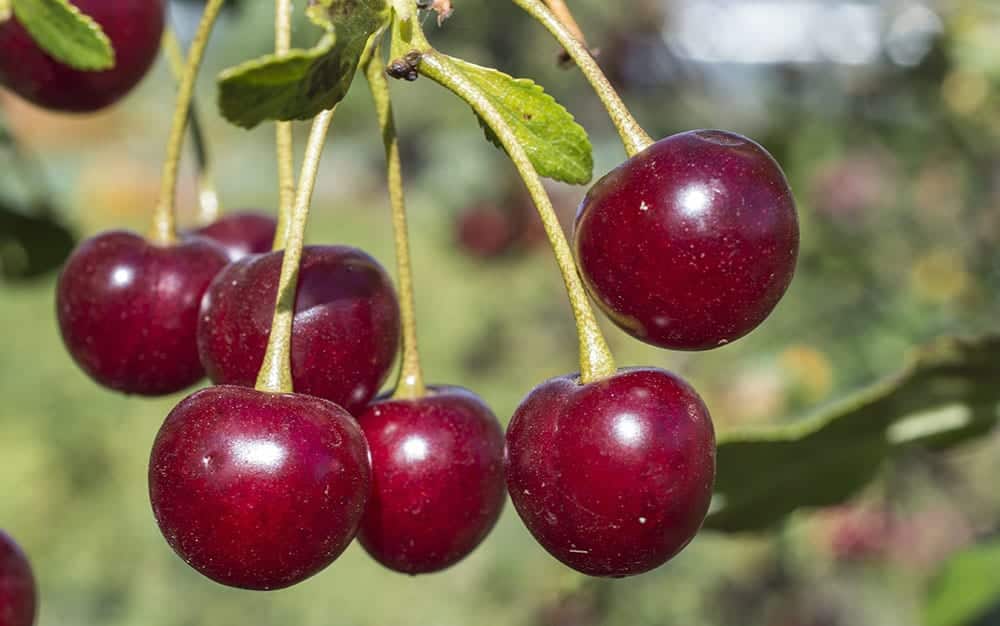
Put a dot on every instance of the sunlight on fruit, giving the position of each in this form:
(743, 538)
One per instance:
(940, 276)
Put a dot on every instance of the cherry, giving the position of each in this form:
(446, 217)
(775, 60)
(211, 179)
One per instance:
(484, 231)
(134, 28)
(613, 478)
(691, 243)
(17, 585)
(258, 490)
(242, 233)
(345, 333)
(128, 310)
(437, 479)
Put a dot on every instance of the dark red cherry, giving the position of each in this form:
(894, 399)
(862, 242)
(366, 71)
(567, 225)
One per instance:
(258, 490)
(128, 310)
(134, 28)
(17, 585)
(613, 478)
(691, 243)
(241, 233)
(484, 231)
(344, 336)
(437, 479)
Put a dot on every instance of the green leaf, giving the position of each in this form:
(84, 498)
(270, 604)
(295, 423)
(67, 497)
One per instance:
(558, 147)
(318, 11)
(966, 588)
(32, 245)
(66, 34)
(404, 9)
(305, 82)
(947, 394)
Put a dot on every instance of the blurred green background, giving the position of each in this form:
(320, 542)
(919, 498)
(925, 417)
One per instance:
(886, 118)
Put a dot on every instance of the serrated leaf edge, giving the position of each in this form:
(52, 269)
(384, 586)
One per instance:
(539, 89)
(253, 64)
(87, 21)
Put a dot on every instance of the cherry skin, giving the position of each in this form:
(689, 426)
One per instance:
(241, 233)
(437, 479)
(18, 596)
(258, 490)
(344, 336)
(128, 310)
(691, 243)
(613, 478)
(134, 28)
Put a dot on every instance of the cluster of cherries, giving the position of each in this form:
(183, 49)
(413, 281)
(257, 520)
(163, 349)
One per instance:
(688, 245)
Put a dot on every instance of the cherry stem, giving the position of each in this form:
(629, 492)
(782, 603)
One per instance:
(561, 10)
(164, 228)
(633, 136)
(411, 378)
(276, 371)
(283, 132)
(596, 361)
(209, 208)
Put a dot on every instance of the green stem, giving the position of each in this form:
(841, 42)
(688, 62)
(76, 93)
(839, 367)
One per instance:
(596, 361)
(209, 208)
(164, 228)
(633, 136)
(411, 377)
(283, 130)
(276, 371)
(561, 10)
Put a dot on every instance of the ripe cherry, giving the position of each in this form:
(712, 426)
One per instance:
(484, 231)
(17, 585)
(691, 243)
(128, 310)
(344, 336)
(134, 28)
(613, 478)
(241, 233)
(437, 479)
(258, 490)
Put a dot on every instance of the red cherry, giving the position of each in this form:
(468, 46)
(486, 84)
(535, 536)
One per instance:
(344, 336)
(613, 478)
(258, 490)
(484, 231)
(242, 233)
(437, 479)
(691, 243)
(134, 28)
(128, 310)
(17, 585)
